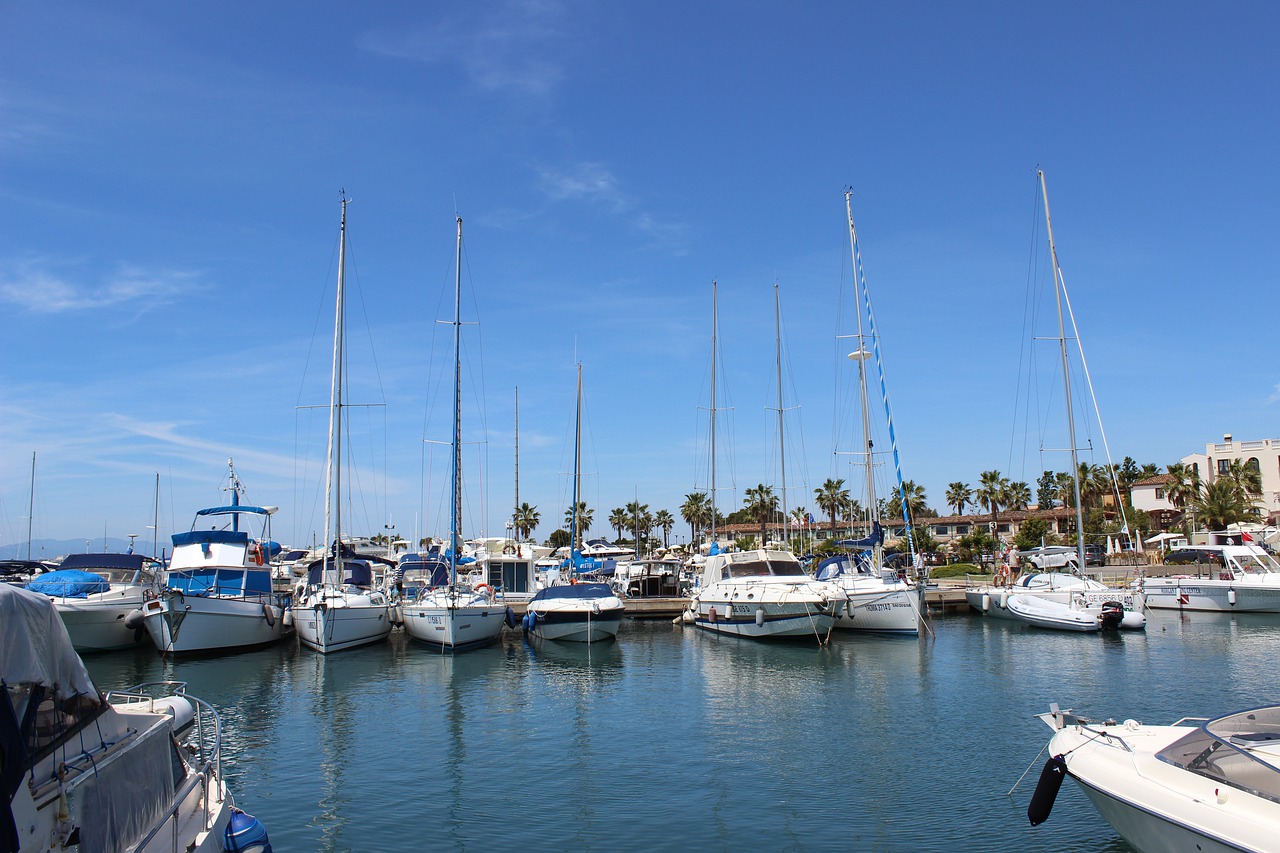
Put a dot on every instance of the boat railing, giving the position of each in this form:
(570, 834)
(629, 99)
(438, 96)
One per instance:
(208, 753)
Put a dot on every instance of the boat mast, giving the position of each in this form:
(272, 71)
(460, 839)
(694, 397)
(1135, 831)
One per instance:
(333, 462)
(155, 525)
(515, 515)
(31, 503)
(577, 473)
(455, 462)
(1066, 375)
(715, 328)
(782, 445)
(861, 357)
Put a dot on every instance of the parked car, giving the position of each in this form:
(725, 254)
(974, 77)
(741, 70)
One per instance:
(1051, 557)
(1191, 557)
(1094, 555)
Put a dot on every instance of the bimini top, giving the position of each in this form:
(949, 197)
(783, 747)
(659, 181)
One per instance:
(574, 590)
(35, 648)
(238, 508)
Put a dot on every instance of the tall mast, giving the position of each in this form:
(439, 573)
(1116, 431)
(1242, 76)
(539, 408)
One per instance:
(155, 525)
(715, 327)
(782, 445)
(861, 357)
(455, 462)
(333, 463)
(31, 503)
(1066, 375)
(516, 512)
(577, 470)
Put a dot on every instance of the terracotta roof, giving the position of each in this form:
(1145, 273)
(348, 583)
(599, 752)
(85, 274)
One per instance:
(1157, 480)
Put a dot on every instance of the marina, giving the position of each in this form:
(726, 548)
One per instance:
(669, 738)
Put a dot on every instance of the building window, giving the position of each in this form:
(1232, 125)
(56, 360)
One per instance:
(940, 529)
(1002, 528)
(1253, 464)
(1159, 494)
(1223, 466)
(962, 530)
(1195, 466)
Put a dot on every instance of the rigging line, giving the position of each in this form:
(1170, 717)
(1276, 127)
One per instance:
(1111, 468)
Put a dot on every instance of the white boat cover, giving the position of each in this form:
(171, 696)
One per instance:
(34, 646)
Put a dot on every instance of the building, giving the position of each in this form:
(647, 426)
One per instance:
(1262, 455)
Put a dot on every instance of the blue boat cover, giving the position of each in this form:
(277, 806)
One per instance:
(876, 537)
(69, 583)
(574, 590)
(104, 561)
(230, 510)
(834, 567)
(358, 573)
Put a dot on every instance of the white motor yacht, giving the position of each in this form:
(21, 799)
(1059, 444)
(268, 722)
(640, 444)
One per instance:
(85, 771)
(95, 593)
(1199, 784)
(579, 612)
(1243, 578)
(763, 594)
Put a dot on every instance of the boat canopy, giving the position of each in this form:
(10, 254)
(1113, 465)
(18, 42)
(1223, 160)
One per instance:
(876, 537)
(69, 583)
(236, 509)
(1238, 750)
(211, 537)
(35, 647)
(574, 590)
(843, 564)
(224, 582)
(89, 562)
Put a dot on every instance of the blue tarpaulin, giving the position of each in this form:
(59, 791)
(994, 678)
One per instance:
(69, 583)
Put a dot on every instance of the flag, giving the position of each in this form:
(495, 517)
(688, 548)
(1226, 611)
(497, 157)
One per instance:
(810, 521)
(1246, 537)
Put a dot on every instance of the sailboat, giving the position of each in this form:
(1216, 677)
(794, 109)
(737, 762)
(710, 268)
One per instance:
(1059, 592)
(335, 607)
(455, 617)
(762, 593)
(877, 600)
(582, 612)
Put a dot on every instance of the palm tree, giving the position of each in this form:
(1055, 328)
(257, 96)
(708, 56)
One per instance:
(992, 491)
(695, 510)
(914, 497)
(958, 496)
(526, 519)
(584, 520)
(1017, 495)
(635, 513)
(761, 504)
(665, 520)
(1246, 477)
(618, 519)
(831, 497)
(1222, 503)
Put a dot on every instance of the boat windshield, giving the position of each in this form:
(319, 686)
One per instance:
(762, 568)
(1241, 750)
(1257, 563)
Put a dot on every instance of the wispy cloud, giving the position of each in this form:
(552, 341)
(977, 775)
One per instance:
(584, 182)
(513, 47)
(33, 285)
(1275, 394)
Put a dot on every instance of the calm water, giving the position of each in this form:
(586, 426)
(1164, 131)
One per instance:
(671, 739)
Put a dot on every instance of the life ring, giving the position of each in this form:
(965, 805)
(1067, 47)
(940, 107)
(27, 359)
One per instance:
(508, 549)
(483, 589)
(1003, 576)
(255, 551)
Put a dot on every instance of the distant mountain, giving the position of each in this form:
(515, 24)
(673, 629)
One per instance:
(49, 549)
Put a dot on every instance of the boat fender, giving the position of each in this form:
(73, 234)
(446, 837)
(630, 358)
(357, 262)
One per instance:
(1055, 770)
(182, 712)
(759, 617)
(1133, 621)
(1004, 598)
(511, 618)
(134, 620)
(986, 602)
(287, 618)
(269, 613)
(711, 614)
(1231, 597)
(246, 834)
(848, 607)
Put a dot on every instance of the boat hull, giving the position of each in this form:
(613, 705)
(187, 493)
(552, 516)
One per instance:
(882, 611)
(98, 626)
(579, 626)
(1211, 595)
(454, 628)
(993, 601)
(778, 620)
(1149, 832)
(181, 624)
(339, 621)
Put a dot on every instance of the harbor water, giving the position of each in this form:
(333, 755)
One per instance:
(673, 739)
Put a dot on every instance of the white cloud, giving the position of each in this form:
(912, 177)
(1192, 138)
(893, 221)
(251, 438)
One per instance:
(1275, 394)
(33, 286)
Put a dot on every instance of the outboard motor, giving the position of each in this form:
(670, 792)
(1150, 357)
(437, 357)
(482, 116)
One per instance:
(1112, 615)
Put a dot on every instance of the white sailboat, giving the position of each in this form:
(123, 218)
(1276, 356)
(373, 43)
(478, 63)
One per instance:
(581, 612)
(456, 616)
(1066, 588)
(335, 607)
(877, 600)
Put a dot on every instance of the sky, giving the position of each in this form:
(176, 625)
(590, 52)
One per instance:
(169, 205)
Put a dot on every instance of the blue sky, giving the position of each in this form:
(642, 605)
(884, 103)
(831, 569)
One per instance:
(169, 185)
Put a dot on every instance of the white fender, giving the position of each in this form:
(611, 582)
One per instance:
(986, 602)
(759, 617)
(1231, 597)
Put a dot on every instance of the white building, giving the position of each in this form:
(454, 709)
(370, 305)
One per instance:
(1152, 494)
(1263, 455)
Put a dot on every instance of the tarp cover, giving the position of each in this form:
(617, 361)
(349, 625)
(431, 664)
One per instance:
(34, 646)
(69, 583)
(876, 537)
(104, 561)
(575, 590)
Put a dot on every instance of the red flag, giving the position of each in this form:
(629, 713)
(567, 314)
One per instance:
(1246, 537)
